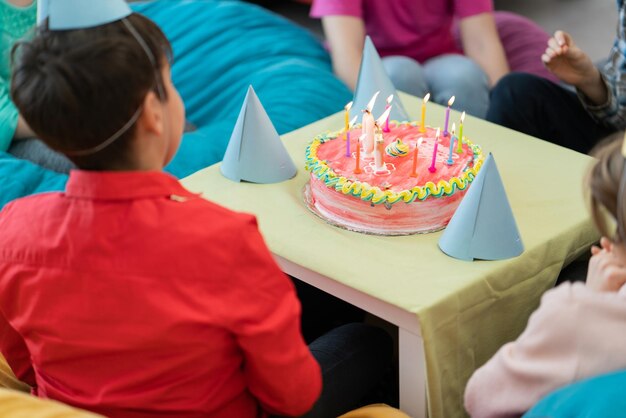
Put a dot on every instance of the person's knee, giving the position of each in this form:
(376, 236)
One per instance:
(354, 359)
(513, 91)
(455, 72)
(354, 342)
(509, 86)
(459, 76)
(405, 74)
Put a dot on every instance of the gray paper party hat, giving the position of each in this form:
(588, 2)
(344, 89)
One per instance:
(80, 14)
(483, 226)
(255, 152)
(373, 78)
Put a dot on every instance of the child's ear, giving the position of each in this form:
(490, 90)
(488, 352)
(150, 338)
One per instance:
(151, 118)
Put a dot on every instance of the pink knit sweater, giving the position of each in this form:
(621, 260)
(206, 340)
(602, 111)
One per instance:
(576, 333)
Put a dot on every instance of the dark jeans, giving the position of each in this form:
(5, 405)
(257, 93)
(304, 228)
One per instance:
(538, 107)
(322, 312)
(355, 358)
(356, 363)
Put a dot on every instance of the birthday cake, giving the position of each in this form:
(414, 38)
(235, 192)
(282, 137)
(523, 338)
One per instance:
(409, 181)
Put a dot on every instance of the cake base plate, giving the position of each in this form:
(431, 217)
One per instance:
(364, 229)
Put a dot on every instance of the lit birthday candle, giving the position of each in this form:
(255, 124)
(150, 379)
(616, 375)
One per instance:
(350, 125)
(445, 125)
(379, 151)
(368, 131)
(389, 100)
(347, 115)
(459, 148)
(415, 153)
(423, 125)
(450, 160)
(357, 168)
(368, 126)
(432, 167)
(383, 118)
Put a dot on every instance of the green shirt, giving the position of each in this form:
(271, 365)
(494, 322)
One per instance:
(15, 22)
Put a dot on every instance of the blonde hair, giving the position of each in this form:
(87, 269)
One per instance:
(606, 189)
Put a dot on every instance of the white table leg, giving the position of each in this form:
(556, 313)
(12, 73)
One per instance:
(412, 370)
(412, 363)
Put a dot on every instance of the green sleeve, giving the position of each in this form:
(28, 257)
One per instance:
(8, 116)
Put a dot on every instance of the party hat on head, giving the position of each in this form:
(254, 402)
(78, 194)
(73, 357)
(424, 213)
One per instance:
(80, 14)
(483, 226)
(373, 78)
(255, 152)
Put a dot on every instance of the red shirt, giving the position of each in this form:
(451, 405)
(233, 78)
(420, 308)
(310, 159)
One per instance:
(127, 294)
(420, 29)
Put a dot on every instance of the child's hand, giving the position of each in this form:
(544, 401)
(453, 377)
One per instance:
(607, 272)
(605, 244)
(567, 61)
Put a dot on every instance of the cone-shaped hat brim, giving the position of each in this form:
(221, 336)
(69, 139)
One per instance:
(255, 152)
(483, 226)
(81, 14)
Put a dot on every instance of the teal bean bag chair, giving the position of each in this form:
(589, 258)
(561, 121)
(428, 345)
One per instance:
(220, 48)
(598, 397)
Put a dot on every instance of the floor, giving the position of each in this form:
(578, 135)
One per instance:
(592, 23)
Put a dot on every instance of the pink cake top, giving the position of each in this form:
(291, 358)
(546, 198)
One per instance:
(327, 160)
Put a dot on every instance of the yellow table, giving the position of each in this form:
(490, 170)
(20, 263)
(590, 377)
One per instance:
(452, 315)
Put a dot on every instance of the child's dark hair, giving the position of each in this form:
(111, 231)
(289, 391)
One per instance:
(77, 88)
(607, 187)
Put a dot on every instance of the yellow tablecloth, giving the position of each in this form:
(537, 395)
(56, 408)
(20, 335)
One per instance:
(466, 310)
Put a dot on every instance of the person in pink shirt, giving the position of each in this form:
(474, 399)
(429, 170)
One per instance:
(415, 39)
(579, 330)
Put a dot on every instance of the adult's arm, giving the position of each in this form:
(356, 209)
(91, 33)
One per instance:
(481, 43)
(573, 66)
(346, 36)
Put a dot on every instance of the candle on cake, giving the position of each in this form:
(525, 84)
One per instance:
(445, 125)
(459, 148)
(432, 167)
(347, 115)
(423, 123)
(384, 117)
(415, 154)
(350, 125)
(450, 160)
(379, 151)
(368, 127)
(389, 100)
(357, 167)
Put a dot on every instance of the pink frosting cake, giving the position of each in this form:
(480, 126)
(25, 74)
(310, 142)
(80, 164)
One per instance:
(389, 197)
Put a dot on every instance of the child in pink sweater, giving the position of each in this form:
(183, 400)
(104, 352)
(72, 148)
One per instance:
(579, 330)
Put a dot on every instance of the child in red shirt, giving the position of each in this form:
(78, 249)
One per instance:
(128, 295)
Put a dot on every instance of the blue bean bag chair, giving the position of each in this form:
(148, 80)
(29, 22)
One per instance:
(220, 48)
(602, 397)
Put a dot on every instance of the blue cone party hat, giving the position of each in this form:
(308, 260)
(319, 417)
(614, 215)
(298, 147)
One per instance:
(373, 78)
(255, 152)
(483, 226)
(80, 14)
